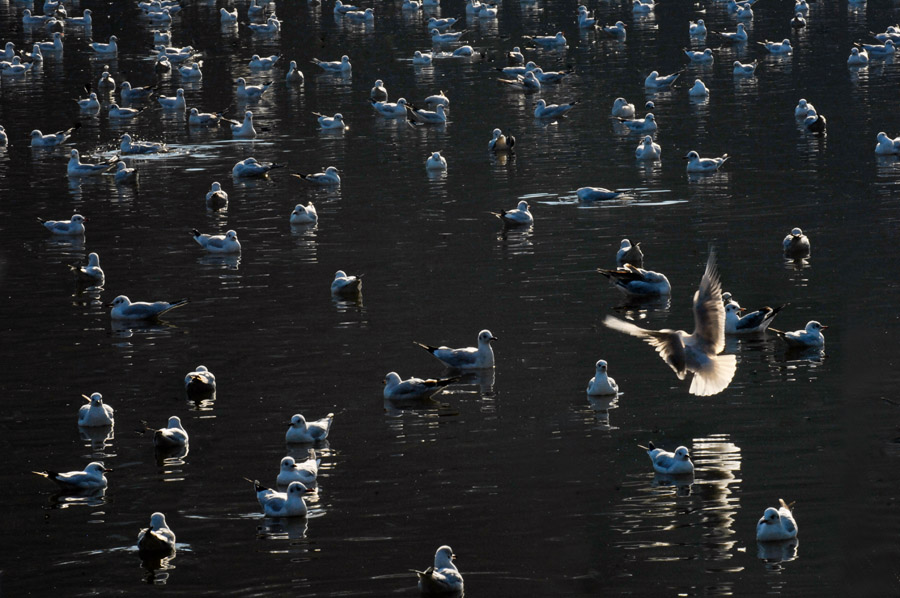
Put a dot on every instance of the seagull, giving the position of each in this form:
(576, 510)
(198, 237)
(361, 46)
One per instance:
(16, 67)
(390, 109)
(440, 24)
(641, 8)
(77, 168)
(617, 30)
(157, 538)
(802, 109)
(329, 177)
(518, 216)
(885, 147)
(250, 167)
(447, 37)
(601, 383)
(801, 6)
(697, 164)
(190, 72)
(114, 111)
(92, 273)
(216, 196)
(342, 66)
(743, 13)
(438, 98)
(4, 139)
(127, 146)
(753, 322)
(744, 69)
(880, 51)
(699, 90)
(426, 117)
(809, 337)
(596, 194)
(95, 413)
(378, 93)
(500, 142)
(677, 463)
(106, 81)
(361, 16)
(857, 57)
(697, 352)
(197, 118)
(413, 388)
(655, 81)
(270, 27)
(340, 8)
(796, 244)
(163, 65)
(704, 57)
(130, 94)
(780, 48)
(622, 109)
(542, 110)
(736, 37)
(776, 524)
(31, 19)
(550, 76)
(200, 381)
(304, 215)
(38, 139)
(301, 431)
(263, 63)
(443, 577)
(630, 253)
(527, 82)
(513, 71)
(640, 125)
(548, 41)
(251, 93)
(469, 358)
(54, 46)
(75, 226)
(227, 17)
(227, 243)
(124, 309)
(436, 162)
(637, 282)
(173, 435)
(648, 150)
(515, 57)
(585, 20)
(243, 130)
(111, 48)
(282, 504)
(294, 75)
(814, 122)
(346, 285)
(90, 478)
(697, 29)
(335, 122)
(304, 472)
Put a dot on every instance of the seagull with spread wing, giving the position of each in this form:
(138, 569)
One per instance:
(697, 352)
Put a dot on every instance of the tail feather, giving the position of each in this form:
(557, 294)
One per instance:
(715, 377)
(428, 348)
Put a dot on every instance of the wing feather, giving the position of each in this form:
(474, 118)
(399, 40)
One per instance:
(709, 310)
(668, 343)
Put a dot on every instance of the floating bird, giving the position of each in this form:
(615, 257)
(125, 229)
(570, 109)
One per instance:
(227, 17)
(885, 147)
(52, 47)
(880, 51)
(596, 194)
(733, 37)
(304, 472)
(91, 478)
(697, 29)
(447, 37)
(301, 431)
(796, 244)
(809, 337)
(438, 98)
(173, 435)
(518, 216)
(124, 309)
(216, 196)
(294, 75)
(340, 8)
(543, 110)
(119, 113)
(801, 6)
(4, 138)
(227, 243)
(106, 81)
(131, 94)
(585, 20)
(500, 142)
(442, 578)
(77, 168)
(127, 146)
(197, 118)
(436, 162)
(110, 48)
(637, 282)
(75, 226)
(622, 109)
(699, 90)
(390, 109)
(468, 358)
(648, 150)
(378, 93)
(697, 352)
(243, 129)
(158, 538)
(548, 41)
(263, 63)
(515, 57)
(857, 57)
(92, 273)
(361, 16)
(38, 139)
(304, 215)
(601, 383)
(420, 58)
(270, 27)
(341, 66)
(741, 69)
(779, 48)
(426, 117)
(282, 504)
(200, 381)
(617, 30)
(630, 253)
(802, 109)
(251, 93)
(550, 76)
(190, 72)
(331, 123)
(696, 164)
(776, 524)
(95, 413)
(640, 125)
(346, 285)
(250, 167)
(702, 57)
(815, 122)
(655, 81)
(677, 463)
(328, 178)
(440, 24)
(527, 82)
(413, 389)
(751, 323)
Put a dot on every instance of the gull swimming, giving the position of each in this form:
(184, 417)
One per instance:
(270, 27)
(251, 93)
(543, 110)
(637, 282)
(697, 29)
(127, 146)
(378, 93)
(518, 216)
(304, 472)
(190, 72)
(701, 57)
(857, 57)
(342, 66)
(361, 16)
(75, 226)
(294, 75)
(421, 58)
(95, 413)
(200, 381)
(548, 41)
(815, 122)
(630, 253)
(227, 243)
(550, 76)
(447, 37)
(802, 109)
(887, 146)
(344, 284)
(216, 196)
(77, 168)
(300, 431)
(601, 384)
(250, 167)
(157, 538)
(596, 194)
(412, 389)
(699, 90)
(442, 578)
(89, 479)
(329, 177)
(106, 81)
(340, 8)
(697, 352)
(114, 111)
(468, 358)
(54, 46)
(335, 122)
(640, 125)
(110, 48)
(527, 82)
(780, 48)
(173, 435)
(227, 17)
(500, 142)
(733, 37)
(130, 94)
(677, 463)
(438, 98)
(426, 117)
(197, 118)
(617, 30)
(304, 215)
(796, 244)
(698, 164)
(880, 51)
(810, 337)
(744, 69)
(282, 504)
(655, 81)
(622, 109)
(263, 63)
(38, 139)
(90, 274)
(776, 524)
(390, 109)
(436, 162)
(648, 150)
(244, 129)
(751, 323)
(124, 309)
(440, 24)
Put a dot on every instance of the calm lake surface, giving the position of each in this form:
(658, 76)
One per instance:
(539, 490)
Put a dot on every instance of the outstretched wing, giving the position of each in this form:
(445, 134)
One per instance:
(709, 310)
(668, 343)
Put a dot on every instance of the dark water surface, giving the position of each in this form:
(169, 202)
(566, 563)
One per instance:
(539, 490)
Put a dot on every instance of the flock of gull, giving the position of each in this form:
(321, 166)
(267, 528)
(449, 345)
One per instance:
(699, 353)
